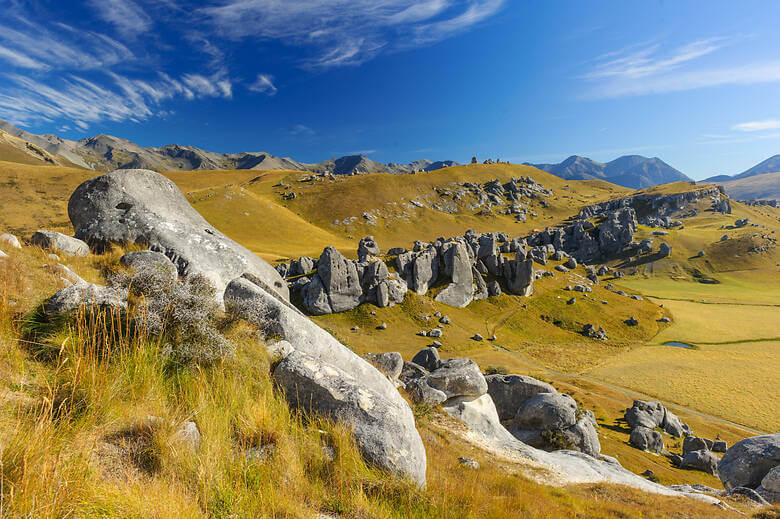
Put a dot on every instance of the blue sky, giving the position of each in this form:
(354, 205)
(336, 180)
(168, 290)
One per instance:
(695, 83)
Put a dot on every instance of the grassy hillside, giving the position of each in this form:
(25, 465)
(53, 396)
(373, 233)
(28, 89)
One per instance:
(72, 445)
(537, 335)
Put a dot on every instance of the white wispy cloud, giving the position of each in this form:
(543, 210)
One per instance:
(264, 84)
(348, 32)
(66, 48)
(301, 129)
(84, 101)
(128, 17)
(648, 69)
(19, 59)
(646, 61)
(755, 126)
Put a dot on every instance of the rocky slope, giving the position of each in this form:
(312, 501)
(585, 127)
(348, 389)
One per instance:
(634, 171)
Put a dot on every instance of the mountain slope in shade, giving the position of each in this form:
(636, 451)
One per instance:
(574, 168)
(634, 171)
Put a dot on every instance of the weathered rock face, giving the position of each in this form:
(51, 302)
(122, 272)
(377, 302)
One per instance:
(703, 460)
(147, 259)
(747, 462)
(646, 439)
(340, 280)
(519, 275)
(69, 299)
(545, 411)
(428, 358)
(390, 363)
(333, 380)
(58, 242)
(509, 392)
(367, 248)
(457, 266)
(654, 414)
(141, 206)
(423, 271)
(384, 429)
(458, 377)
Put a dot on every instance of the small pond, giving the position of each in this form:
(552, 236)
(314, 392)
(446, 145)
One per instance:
(677, 344)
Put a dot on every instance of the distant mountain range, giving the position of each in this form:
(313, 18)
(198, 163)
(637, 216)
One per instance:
(634, 171)
(761, 182)
(105, 153)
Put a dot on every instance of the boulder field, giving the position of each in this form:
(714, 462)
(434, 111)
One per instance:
(320, 375)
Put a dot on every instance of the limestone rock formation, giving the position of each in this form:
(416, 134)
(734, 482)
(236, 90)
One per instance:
(143, 207)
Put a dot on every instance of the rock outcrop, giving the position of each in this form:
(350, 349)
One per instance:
(536, 414)
(143, 207)
(60, 243)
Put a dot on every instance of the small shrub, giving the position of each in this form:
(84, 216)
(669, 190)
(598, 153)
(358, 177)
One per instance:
(496, 370)
(184, 315)
(556, 440)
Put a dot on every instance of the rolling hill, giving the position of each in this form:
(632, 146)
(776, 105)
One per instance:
(633, 171)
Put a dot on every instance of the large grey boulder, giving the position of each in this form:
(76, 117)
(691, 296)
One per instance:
(645, 414)
(703, 460)
(423, 393)
(357, 375)
(69, 299)
(509, 392)
(692, 443)
(479, 413)
(646, 439)
(519, 275)
(545, 411)
(390, 363)
(428, 358)
(458, 377)
(384, 429)
(673, 426)
(423, 270)
(457, 266)
(142, 206)
(58, 242)
(340, 280)
(747, 462)
(150, 260)
(583, 437)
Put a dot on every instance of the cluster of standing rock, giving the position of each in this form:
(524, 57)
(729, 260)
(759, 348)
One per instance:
(471, 267)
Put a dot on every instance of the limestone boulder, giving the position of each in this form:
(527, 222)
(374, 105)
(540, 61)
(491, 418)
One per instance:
(509, 392)
(384, 429)
(88, 295)
(747, 462)
(60, 243)
(458, 377)
(143, 207)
